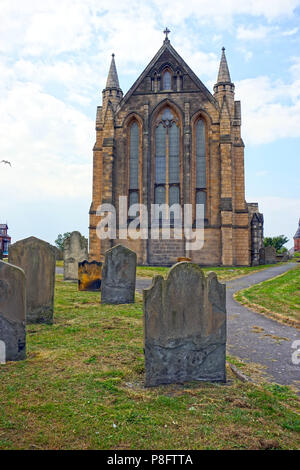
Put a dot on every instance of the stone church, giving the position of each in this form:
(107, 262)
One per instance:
(169, 140)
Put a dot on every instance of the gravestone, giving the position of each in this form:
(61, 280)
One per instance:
(12, 313)
(89, 275)
(75, 251)
(37, 259)
(185, 327)
(118, 276)
(267, 255)
(59, 254)
(2, 352)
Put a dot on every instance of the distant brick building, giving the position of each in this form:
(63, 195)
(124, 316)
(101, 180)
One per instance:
(5, 240)
(297, 239)
(169, 140)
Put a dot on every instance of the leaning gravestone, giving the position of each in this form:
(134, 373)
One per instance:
(12, 313)
(89, 275)
(75, 251)
(118, 276)
(185, 327)
(37, 259)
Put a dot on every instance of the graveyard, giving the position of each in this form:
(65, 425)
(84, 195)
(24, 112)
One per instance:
(86, 383)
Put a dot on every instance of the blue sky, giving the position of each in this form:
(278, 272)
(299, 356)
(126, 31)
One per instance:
(54, 59)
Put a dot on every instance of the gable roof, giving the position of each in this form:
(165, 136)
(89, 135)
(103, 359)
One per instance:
(167, 46)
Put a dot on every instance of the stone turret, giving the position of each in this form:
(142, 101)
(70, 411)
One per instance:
(224, 88)
(112, 92)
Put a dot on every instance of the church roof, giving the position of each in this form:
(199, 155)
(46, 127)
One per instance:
(297, 234)
(112, 79)
(223, 75)
(167, 46)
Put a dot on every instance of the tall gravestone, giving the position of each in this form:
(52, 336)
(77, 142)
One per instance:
(75, 251)
(118, 276)
(12, 313)
(37, 259)
(185, 327)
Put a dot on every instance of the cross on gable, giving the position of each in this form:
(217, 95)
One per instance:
(166, 32)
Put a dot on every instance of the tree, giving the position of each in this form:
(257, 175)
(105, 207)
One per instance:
(277, 242)
(59, 242)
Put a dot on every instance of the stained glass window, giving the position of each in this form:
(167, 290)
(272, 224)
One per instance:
(133, 197)
(200, 155)
(167, 80)
(167, 159)
(160, 195)
(134, 156)
(160, 160)
(173, 154)
(173, 195)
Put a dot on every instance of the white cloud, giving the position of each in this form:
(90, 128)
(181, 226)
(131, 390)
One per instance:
(255, 33)
(48, 143)
(270, 109)
(291, 32)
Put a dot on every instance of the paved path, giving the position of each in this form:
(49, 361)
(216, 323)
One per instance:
(255, 338)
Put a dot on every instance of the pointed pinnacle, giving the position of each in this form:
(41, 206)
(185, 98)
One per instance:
(224, 75)
(112, 79)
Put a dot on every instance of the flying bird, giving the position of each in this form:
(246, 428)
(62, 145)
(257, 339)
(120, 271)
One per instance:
(6, 161)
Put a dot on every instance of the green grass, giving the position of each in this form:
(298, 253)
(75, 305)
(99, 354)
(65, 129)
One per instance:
(278, 297)
(224, 273)
(82, 387)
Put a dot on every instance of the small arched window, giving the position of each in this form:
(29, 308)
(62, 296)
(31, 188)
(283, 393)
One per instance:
(134, 163)
(167, 80)
(200, 186)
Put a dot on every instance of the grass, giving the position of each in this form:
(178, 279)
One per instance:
(82, 387)
(278, 297)
(224, 273)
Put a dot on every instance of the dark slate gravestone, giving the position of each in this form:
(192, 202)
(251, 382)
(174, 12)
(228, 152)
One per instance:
(267, 255)
(37, 259)
(12, 313)
(75, 251)
(89, 275)
(118, 276)
(185, 327)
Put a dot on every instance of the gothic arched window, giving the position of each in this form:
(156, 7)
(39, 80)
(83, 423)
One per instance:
(200, 170)
(167, 158)
(134, 163)
(167, 80)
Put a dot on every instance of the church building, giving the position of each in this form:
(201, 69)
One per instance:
(170, 140)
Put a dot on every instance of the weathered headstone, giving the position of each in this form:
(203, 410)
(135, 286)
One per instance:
(267, 255)
(2, 352)
(75, 251)
(59, 254)
(37, 259)
(12, 313)
(89, 275)
(118, 276)
(185, 327)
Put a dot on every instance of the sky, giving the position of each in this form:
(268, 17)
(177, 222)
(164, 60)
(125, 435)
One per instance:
(54, 60)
